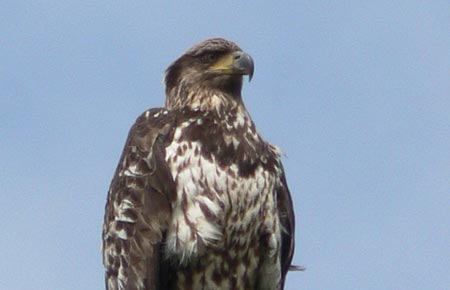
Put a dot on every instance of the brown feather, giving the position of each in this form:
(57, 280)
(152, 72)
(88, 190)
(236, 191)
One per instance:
(199, 200)
(139, 206)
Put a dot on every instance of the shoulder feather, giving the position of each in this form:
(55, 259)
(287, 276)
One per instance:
(139, 206)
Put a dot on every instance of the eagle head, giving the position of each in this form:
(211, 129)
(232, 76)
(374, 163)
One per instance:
(214, 65)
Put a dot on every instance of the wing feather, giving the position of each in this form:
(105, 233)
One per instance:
(287, 219)
(138, 206)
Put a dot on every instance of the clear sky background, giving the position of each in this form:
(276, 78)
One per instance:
(356, 93)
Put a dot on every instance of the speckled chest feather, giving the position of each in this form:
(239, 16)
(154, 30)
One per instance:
(225, 209)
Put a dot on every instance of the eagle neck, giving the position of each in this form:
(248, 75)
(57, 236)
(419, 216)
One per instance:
(203, 99)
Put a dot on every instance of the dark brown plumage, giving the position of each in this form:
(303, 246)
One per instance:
(199, 200)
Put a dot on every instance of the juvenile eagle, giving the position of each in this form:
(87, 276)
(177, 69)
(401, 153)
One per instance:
(199, 200)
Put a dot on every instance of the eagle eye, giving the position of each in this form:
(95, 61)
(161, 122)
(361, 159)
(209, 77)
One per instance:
(210, 57)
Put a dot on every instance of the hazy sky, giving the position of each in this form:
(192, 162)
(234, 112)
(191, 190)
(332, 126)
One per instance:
(356, 93)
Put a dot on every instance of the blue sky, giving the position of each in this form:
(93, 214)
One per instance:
(356, 93)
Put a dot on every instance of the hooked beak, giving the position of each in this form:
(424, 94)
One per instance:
(243, 63)
(236, 63)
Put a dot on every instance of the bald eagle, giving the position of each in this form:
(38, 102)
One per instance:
(199, 199)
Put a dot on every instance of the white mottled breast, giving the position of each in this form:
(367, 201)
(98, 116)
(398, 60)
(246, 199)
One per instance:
(214, 201)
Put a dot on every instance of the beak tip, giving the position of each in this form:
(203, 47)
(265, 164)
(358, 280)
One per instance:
(244, 63)
(251, 68)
